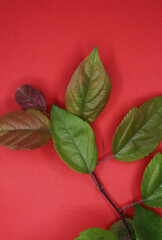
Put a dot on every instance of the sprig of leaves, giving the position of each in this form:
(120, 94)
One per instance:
(139, 133)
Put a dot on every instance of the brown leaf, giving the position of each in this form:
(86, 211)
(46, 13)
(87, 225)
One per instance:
(24, 130)
(28, 97)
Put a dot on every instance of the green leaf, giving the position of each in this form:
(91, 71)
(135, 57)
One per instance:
(147, 224)
(151, 188)
(21, 130)
(74, 140)
(119, 229)
(89, 89)
(96, 234)
(140, 132)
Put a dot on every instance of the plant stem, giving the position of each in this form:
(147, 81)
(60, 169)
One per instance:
(104, 160)
(48, 115)
(133, 204)
(100, 187)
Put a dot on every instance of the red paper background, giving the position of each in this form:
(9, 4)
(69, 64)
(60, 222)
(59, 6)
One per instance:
(41, 43)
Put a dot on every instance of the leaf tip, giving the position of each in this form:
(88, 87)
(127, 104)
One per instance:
(95, 50)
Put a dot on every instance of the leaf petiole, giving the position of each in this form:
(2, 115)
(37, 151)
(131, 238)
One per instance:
(47, 114)
(131, 205)
(104, 160)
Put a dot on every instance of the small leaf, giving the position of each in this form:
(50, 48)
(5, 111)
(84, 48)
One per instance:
(151, 188)
(147, 224)
(28, 97)
(24, 130)
(119, 229)
(96, 234)
(89, 89)
(74, 140)
(140, 132)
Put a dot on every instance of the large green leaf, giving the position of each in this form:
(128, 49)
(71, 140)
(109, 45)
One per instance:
(119, 229)
(89, 89)
(147, 224)
(21, 130)
(74, 140)
(140, 132)
(96, 234)
(151, 188)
